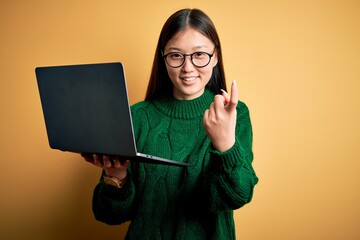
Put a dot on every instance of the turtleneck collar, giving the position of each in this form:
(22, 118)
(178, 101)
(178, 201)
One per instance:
(185, 109)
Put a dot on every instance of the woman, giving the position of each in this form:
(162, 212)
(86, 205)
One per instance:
(187, 116)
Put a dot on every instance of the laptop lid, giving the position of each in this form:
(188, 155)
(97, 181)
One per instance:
(86, 110)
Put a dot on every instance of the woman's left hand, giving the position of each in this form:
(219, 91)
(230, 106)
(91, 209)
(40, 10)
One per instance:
(220, 120)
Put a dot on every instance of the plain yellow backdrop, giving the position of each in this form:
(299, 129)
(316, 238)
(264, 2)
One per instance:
(297, 66)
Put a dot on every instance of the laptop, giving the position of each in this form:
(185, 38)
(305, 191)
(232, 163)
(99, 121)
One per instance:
(86, 110)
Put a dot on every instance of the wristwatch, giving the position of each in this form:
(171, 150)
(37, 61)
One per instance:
(114, 181)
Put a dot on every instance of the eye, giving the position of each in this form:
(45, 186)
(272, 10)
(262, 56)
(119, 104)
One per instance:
(175, 55)
(200, 55)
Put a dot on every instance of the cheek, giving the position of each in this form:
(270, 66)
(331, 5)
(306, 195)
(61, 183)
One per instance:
(207, 73)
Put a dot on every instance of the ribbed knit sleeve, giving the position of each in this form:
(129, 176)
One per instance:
(231, 178)
(112, 205)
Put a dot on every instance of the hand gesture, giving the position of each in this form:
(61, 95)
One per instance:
(220, 119)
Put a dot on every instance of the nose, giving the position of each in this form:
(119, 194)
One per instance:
(188, 66)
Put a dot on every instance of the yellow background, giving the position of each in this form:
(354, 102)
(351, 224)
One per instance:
(297, 66)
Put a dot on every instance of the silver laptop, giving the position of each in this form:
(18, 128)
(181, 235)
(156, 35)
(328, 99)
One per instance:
(86, 110)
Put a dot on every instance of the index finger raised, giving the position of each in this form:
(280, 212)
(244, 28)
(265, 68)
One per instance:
(234, 96)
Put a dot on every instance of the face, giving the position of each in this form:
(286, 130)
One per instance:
(188, 80)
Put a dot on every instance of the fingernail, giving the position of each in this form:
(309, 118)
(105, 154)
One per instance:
(223, 90)
(234, 82)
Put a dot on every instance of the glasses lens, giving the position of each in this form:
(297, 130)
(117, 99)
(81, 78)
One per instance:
(200, 59)
(175, 59)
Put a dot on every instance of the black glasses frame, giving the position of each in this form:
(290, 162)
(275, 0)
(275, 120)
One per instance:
(191, 58)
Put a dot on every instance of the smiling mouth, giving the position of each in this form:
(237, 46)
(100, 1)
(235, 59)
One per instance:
(188, 79)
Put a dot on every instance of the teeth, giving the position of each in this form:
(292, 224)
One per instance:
(189, 78)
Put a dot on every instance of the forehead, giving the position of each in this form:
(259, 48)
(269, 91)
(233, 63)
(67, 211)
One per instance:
(189, 39)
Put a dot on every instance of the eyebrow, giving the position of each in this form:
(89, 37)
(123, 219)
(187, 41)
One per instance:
(194, 48)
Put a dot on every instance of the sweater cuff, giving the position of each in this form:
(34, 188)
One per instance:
(120, 193)
(230, 159)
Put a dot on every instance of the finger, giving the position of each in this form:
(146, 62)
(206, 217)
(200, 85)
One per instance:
(211, 111)
(226, 96)
(98, 159)
(117, 163)
(234, 96)
(206, 113)
(125, 164)
(107, 161)
(88, 157)
(206, 120)
(219, 102)
(97, 162)
(120, 162)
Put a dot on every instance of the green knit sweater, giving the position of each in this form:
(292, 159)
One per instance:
(170, 202)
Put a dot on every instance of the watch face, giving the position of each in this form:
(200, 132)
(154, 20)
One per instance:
(111, 181)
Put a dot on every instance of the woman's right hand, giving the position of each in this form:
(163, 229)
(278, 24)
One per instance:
(113, 166)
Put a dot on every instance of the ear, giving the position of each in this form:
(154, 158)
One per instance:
(215, 59)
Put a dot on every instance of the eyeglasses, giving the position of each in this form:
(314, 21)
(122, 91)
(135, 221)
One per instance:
(198, 59)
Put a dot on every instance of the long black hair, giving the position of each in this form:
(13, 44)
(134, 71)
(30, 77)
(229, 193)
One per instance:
(160, 83)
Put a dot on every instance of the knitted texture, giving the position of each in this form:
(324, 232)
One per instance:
(170, 202)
